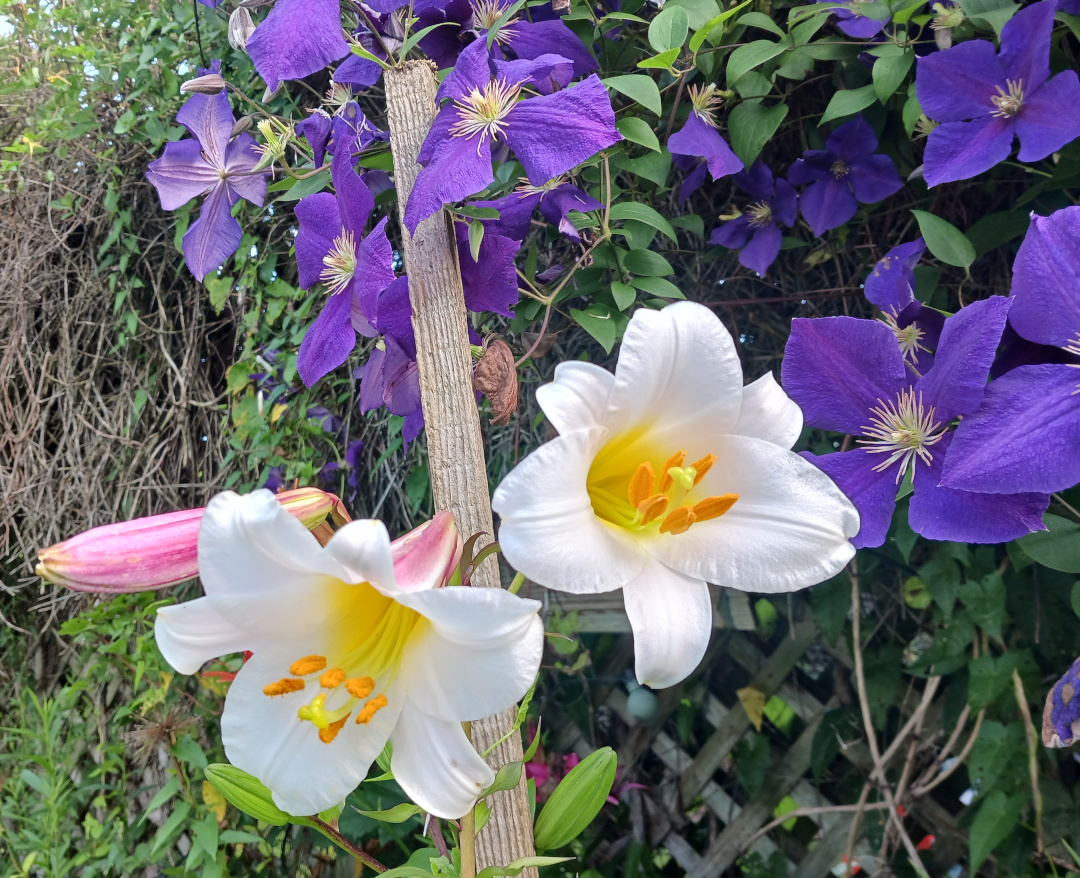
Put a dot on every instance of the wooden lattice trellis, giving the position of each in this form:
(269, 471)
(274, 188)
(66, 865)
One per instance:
(705, 778)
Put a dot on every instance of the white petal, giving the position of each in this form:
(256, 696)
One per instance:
(768, 413)
(789, 528)
(192, 633)
(436, 765)
(478, 655)
(577, 398)
(363, 549)
(262, 569)
(264, 737)
(671, 617)
(549, 530)
(678, 370)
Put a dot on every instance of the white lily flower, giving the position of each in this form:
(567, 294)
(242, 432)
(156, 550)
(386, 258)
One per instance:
(665, 476)
(354, 644)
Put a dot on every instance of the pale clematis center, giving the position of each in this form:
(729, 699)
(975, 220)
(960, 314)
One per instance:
(760, 214)
(646, 498)
(839, 169)
(363, 652)
(1073, 348)
(909, 338)
(486, 14)
(902, 429)
(1008, 103)
(484, 112)
(705, 102)
(339, 265)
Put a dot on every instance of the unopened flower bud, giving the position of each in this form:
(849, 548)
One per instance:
(152, 552)
(577, 800)
(241, 27)
(241, 125)
(207, 84)
(246, 793)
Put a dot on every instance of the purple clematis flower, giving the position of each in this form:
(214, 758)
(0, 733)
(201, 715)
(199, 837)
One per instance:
(549, 134)
(209, 164)
(756, 233)
(853, 21)
(891, 287)
(1061, 714)
(297, 38)
(846, 172)
(699, 137)
(985, 99)
(848, 375)
(556, 199)
(1026, 434)
(489, 282)
(331, 249)
(696, 171)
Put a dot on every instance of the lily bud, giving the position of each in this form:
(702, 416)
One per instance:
(577, 800)
(428, 553)
(246, 793)
(207, 84)
(151, 552)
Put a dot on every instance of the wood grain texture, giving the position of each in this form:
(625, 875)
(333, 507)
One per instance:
(455, 445)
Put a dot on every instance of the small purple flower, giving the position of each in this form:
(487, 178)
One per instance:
(853, 21)
(209, 164)
(556, 200)
(755, 233)
(331, 249)
(1026, 434)
(985, 99)
(848, 375)
(699, 137)
(846, 172)
(297, 38)
(1061, 715)
(549, 134)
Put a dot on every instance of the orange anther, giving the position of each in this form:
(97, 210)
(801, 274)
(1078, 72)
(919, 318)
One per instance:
(652, 508)
(332, 678)
(309, 664)
(330, 732)
(283, 687)
(360, 687)
(371, 708)
(665, 480)
(678, 521)
(641, 484)
(714, 507)
(703, 466)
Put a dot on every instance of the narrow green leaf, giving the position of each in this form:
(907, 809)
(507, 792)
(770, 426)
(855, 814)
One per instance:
(397, 814)
(657, 286)
(627, 210)
(761, 20)
(945, 240)
(637, 130)
(662, 61)
(669, 29)
(848, 103)
(511, 11)
(516, 867)
(637, 87)
(702, 33)
(476, 238)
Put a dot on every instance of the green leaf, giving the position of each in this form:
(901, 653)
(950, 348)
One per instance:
(647, 263)
(994, 13)
(662, 61)
(997, 748)
(596, 321)
(988, 678)
(170, 828)
(653, 166)
(997, 816)
(750, 55)
(916, 594)
(985, 600)
(761, 20)
(848, 103)
(307, 186)
(507, 777)
(889, 72)
(669, 29)
(637, 87)
(357, 49)
(750, 125)
(476, 238)
(629, 210)
(1075, 597)
(703, 33)
(219, 289)
(637, 130)
(171, 788)
(1057, 547)
(623, 294)
(516, 867)
(698, 12)
(657, 286)
(945, 240)
(397, 814)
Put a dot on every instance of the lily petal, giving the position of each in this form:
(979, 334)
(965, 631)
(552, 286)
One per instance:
(577, 398)
(192, 633)
(768, 413)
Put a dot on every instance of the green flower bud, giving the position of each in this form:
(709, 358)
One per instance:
(576, 800)
(247, 793)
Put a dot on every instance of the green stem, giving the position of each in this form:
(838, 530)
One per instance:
(467, 833)
(340, 840)
(515, 586)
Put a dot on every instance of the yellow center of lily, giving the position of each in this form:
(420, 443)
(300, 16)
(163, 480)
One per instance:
(649, 497)
(366, 644)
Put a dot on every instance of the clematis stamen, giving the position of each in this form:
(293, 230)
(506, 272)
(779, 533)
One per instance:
(706, 102)
(1008, 103)
(760, 214)
(483, 113)
(486, 14)
(904, 430)
(283, 687)
(339, 265)
(909, 338)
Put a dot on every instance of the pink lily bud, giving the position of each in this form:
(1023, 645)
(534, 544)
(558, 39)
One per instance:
(152, 552)
(426, 556)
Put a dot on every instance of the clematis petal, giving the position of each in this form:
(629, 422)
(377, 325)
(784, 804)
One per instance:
(891, 284)
(872, 492)
(472, 70)
(699, 139)
(264, 737)
(436, 765)
(192, 633)
(768, 413)
(297, 38)
(1041, 126)
(214, 236)
(678, 369)
(1025, 44)
(354, 198)
(960, 82)
(671, 617)
(579, 120)
(959, 150)
(477, 656)
(577, 398)
(531, 39)
(181, 173)
(874, 177)
(210, 120)
(756, 181)
(838, 368)
(1024, 436)
(549, 530)
(828, 203)
(362, 547)
(556, 206)
(734, 234)
(374, 273)
(789, 528)
(762, 250)
(547, 73)
(515, 214)
(328, 341)
(1046, 280)
(489, 282)
(320, 223)
(785, 203)
(240, 157)
(966, 517)
(852, 141)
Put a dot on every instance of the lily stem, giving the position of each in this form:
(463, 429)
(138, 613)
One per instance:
(467, 833)
(515, 585)
(340, 840)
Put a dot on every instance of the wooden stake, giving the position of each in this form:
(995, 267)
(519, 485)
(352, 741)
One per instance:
(455, 446)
